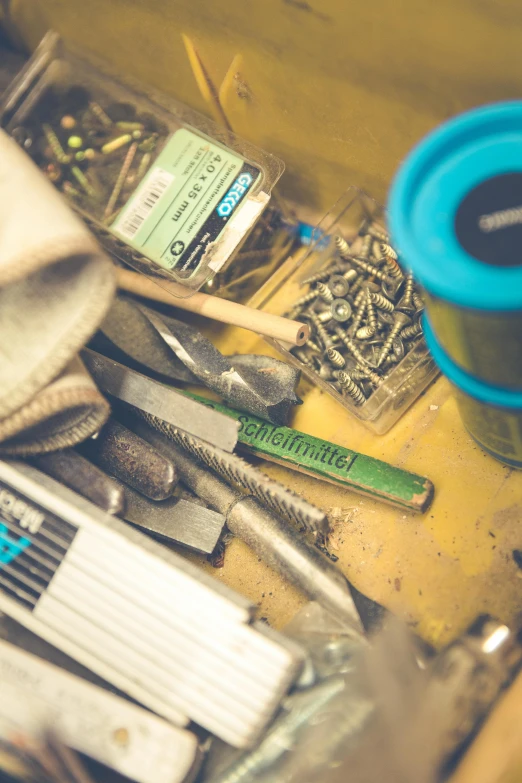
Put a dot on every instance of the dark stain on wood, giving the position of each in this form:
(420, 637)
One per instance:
(302, 5)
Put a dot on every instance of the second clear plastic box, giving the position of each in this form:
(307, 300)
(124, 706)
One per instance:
(410, 377)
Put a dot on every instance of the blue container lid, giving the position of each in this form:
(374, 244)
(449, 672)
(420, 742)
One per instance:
(483, 392)
(455, 209)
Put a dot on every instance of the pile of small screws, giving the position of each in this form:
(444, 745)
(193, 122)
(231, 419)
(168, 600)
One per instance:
(364, 312)
(96, 155)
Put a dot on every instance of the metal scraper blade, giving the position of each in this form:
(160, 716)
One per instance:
(175, 520)
(247, 478)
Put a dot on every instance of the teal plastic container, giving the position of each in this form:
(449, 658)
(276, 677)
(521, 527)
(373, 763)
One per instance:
(455, 216)
(492, 415)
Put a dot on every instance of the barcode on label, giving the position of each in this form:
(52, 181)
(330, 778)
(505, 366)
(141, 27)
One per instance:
(144, 202)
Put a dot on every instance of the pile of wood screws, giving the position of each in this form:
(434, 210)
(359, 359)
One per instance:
(364, 312)
(96, 155)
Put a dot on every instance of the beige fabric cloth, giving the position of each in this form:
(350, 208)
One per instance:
(56, 286)
(65, 412)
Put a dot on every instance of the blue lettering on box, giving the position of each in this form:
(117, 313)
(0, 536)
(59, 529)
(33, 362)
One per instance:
(10, 546)
(235, 194)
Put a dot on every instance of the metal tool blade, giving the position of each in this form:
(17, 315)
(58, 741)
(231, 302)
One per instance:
(279, 378)
(127, 336)
(258, 393)
(175, 520)
(159, 400)
(248, 479)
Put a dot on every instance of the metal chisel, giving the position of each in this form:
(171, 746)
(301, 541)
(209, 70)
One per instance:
(159, 400)
(175, 520)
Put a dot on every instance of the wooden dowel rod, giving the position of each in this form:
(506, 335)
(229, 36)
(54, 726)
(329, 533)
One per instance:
(213, 307)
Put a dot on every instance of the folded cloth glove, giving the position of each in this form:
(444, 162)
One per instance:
(56, 286)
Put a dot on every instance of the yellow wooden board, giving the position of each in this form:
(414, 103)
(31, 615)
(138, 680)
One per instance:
(341, 90)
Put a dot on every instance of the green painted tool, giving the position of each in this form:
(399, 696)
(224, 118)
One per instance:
(324, 460)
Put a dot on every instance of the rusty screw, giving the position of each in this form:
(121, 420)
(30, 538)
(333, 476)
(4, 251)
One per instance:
(400, 321)
(335, 358)
(322, 334)
(339, 286)
(370, 269)
(382, 303)
(343, 247)
(324, 292)
(370, 313)
(341, 310)
(351, 388)
(412, 331)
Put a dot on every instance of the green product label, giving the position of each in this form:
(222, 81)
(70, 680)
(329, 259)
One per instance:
(185, 201)
(326, 460)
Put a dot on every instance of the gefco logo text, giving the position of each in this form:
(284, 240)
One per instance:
(235, 193)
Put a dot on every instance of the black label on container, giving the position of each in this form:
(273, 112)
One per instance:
(191, 256)
(33, 543)
(488, 222)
